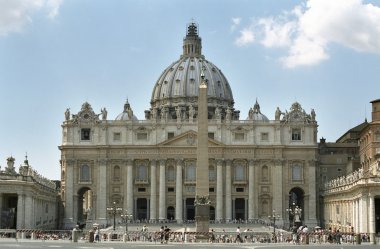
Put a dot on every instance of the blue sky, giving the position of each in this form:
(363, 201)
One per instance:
(57, 54)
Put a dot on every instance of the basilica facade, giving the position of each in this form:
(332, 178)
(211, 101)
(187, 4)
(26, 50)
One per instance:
(257, 165)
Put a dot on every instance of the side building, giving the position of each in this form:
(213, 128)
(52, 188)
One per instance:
(351, 202)
(148, 167)
(27, 199)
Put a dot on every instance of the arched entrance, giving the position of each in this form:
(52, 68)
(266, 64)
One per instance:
(85, 208)
(142, 209)
(190, 209)
(239, 209)
(296, 200)
(170, 213)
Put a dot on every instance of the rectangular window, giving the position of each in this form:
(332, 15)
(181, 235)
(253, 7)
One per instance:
(240, 190)
(264, 136)
(170, 189)
(239, 136)
(85, 134)
(377, 137)
(211, 190)
(142, 136)
(116, 136)
(170, 135)
(296, 172)
(296, 134)
(141, 190)
(211, 135)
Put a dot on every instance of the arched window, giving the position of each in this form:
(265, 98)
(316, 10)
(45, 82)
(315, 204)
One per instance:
(190, 172)
(264, 173)
(211, 174)
(142, 173)
(239, 173)
(85, 173)
(170, 174)
(116, 173)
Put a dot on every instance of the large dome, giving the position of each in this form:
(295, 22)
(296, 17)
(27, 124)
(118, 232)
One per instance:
(177, 86)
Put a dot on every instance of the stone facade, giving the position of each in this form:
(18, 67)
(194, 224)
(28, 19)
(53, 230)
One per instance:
(148, 166)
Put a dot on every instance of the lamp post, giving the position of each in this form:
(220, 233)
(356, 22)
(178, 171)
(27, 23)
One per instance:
(274, 217)
(114, 210)
(126, 217)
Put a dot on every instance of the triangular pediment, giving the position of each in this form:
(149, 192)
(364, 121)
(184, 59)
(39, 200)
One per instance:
(189, 138)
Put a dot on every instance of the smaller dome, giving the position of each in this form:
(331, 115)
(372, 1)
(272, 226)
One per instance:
(255, 114)
(127, 114)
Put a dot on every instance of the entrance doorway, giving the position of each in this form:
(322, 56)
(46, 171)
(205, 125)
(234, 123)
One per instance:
(190, 209)
(239, 209)
(170, 213)
(212, 213)
(142, 209)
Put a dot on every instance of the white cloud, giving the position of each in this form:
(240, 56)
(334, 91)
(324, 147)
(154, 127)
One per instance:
(309, 28)
(15, 14)
(235, 22)
(246, 37)
(53, 7)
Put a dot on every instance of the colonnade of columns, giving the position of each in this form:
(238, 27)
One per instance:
(222, 199)
(356, 214)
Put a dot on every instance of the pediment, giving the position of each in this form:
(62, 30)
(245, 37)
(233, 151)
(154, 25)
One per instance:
(188, 138)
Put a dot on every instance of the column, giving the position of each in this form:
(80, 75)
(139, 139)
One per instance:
(251, 189)
(102, 201)
(219, 191)
(29, 212)
(363, 214)
(371, 217)
(162, 197)
(153, 191)
(228, 191)
(353, 216)
(357, 228)
(20, 211)
(312, 219)
(277, 189)
(69, 195)
(130, 187)
(178, 193)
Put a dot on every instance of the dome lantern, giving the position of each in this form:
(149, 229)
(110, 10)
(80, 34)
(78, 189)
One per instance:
(192, 43)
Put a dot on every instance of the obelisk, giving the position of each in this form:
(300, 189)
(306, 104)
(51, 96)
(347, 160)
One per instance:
(202, 200)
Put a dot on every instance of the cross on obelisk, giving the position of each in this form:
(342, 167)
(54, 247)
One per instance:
(202, 200)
